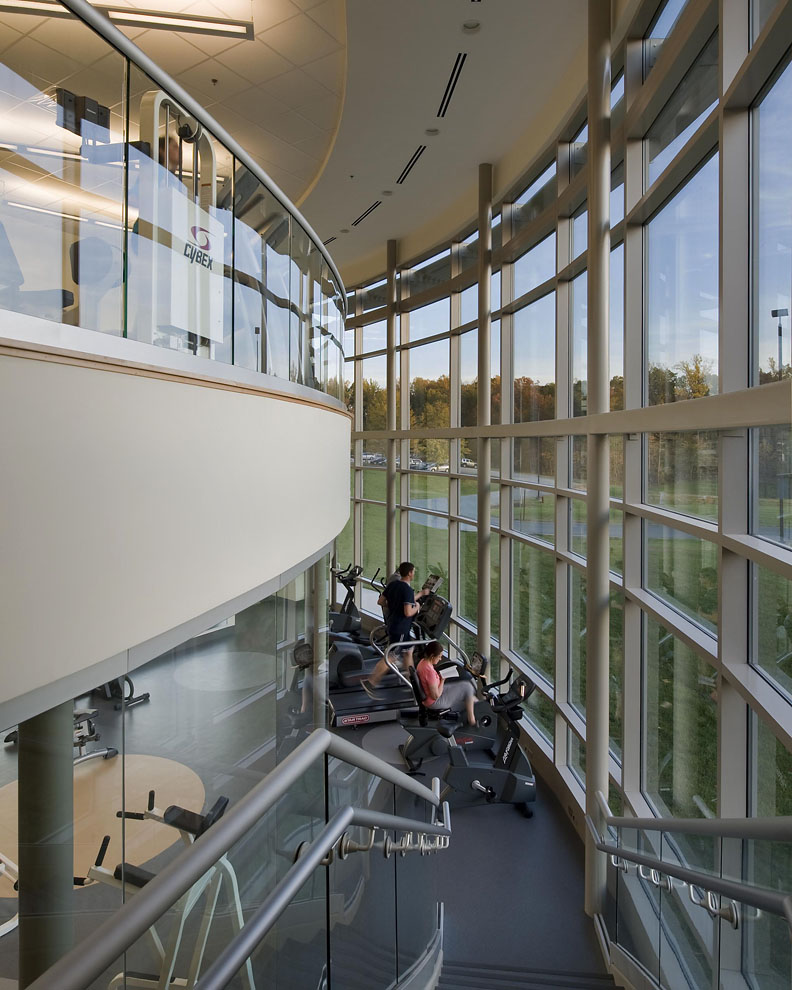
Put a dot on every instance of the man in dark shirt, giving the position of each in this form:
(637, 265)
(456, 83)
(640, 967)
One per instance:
(402, 607)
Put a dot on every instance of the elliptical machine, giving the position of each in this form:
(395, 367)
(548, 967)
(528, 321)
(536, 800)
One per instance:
(347, 621)
(486, 761)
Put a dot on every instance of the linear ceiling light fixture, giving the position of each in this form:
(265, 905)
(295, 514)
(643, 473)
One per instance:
(451, 84)
(409, 166)
(363, 216)
(221, 27)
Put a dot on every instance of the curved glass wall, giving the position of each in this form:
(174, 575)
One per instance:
(700, 515)
(121, 212)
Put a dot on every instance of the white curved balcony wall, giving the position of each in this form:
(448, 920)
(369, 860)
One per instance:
(135, 500)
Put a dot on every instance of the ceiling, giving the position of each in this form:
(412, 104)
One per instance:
(400, 58)
(279, 95)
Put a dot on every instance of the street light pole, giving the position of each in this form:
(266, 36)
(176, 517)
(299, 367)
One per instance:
(777, 314)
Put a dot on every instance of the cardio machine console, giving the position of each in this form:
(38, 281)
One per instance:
(434, 616)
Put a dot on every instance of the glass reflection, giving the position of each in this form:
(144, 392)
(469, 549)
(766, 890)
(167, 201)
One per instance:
(682, 292)
(534, 360)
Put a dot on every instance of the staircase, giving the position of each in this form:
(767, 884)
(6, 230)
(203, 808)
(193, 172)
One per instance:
(476, 976)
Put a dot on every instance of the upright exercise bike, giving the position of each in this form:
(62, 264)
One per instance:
(486, 762)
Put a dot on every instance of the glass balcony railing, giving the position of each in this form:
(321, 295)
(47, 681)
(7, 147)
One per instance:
(124, 209)
(318, 877)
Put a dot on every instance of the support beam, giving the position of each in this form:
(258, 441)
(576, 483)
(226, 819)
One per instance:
(597, 575)
(46, 840)
(484, 454)
(392, 358)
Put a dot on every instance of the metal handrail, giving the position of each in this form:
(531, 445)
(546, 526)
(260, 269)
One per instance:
(83, 964)
(772, 829)
(759, 897)
(100, 23)
(242, 947)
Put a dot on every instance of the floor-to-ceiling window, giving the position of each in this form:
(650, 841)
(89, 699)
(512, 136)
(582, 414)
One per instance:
(700, 521)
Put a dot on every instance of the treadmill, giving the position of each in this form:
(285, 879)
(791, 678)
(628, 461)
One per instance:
(351, 706)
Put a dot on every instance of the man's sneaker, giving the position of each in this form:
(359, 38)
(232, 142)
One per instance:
(371, 690)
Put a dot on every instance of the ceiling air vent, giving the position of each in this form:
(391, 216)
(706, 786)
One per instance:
(451, 85)
(363, 216)
(409, 166)
(330, 240)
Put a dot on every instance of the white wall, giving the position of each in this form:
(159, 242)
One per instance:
(130, 504)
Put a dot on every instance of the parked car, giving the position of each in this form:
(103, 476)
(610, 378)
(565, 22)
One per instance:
(440, 468)
(467, 463)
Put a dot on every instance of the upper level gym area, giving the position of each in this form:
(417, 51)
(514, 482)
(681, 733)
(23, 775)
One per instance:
(546, 360)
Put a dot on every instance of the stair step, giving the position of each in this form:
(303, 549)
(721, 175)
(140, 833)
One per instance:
(475, 976)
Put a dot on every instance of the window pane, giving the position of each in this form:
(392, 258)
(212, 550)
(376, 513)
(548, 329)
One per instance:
(659, 29)
(616, 540)
(771, 641)
(616, 355)
(769, 864)
(373, 555)
(374, 295)
(468, 305)
(533, 513)
(429, 386)
(468, 377)
(577, 526)
(375, 408)
(579, 335)
(536, 198)
(616, 448)
(680, 727)
(430, 273)
(682, 472)
(579, 464)
(683, 571)
(576, 756)
(429, 490)
(428, 546)
(374, 484)
(772, 511)
(682, 292)
(468, 572)
(688, 107)
(616, 673)
(535, 266)
(432, 456)
(534, 360)
(540, 712)
(772, 219)
(375, 336)
(577, 640)
(533, 607)
(430, 320)
(579, 232)
(534, 460)
(468, 498)
(495, 291)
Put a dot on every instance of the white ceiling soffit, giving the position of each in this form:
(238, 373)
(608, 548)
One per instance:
(279, 95)
(403, 59)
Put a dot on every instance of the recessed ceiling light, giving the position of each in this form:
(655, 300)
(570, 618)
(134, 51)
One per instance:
(189, 23)
(432, 131)
(471, 27)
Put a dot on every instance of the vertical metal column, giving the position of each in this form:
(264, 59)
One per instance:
(597, 574)
(46, 840)
(392, 357)
(483, 514)
(319, 617)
